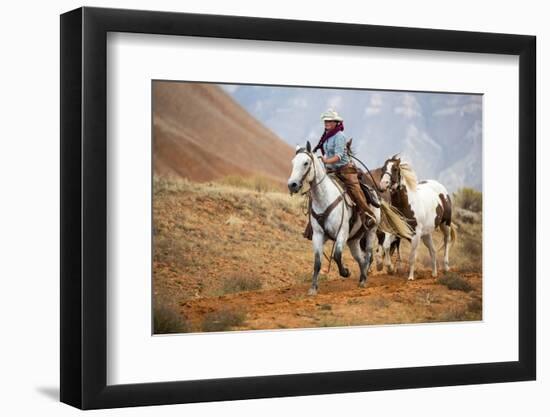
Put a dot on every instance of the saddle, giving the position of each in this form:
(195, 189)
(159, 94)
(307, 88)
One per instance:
(370, 194)
(320, 217)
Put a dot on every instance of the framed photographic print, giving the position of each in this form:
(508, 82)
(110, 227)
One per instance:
(257, 207)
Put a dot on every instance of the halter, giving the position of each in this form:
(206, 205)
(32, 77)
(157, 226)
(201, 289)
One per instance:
(393, 180)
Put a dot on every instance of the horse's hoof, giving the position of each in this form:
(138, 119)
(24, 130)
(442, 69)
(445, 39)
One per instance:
(410, 279)
(363, 284)
(345, 273)
(434, 274)
(312, 291)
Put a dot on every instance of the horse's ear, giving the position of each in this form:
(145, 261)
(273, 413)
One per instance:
(308, 146)
(298, 148)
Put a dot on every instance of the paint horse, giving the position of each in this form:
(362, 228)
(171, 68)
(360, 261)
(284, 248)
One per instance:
(333, 218)
(388, 243)
(426, 205)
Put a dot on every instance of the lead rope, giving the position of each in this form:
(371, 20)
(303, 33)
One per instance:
(375, 186)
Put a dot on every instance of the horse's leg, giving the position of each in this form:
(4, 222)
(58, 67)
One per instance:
(318, 239)
(360, 257)
(371, 235)
(397, 247)
(379, 258)
(388, 240)
(381, 238)
(338, 249)
(446, 239)
(428, 241)
(412, 256)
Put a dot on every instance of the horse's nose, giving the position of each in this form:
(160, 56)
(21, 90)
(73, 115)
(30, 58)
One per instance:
(293, 186)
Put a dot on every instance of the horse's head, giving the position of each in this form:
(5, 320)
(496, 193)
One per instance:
(303, 169)
(391, 173)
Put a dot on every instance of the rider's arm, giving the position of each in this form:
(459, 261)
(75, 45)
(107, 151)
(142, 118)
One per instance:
(339, 149)
(332, 159)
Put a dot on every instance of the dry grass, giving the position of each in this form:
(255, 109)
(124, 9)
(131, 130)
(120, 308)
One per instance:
(222, 320)
(238, 283)
(467, 255)
(258, 183)
(454, 281)
(469, 199)
(166, 319)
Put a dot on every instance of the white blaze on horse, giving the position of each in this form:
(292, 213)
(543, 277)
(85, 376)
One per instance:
(426, 205)
(333, 218)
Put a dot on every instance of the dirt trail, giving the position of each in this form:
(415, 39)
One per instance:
(386, 299)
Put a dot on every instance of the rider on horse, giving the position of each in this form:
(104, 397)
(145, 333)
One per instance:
(334, 147)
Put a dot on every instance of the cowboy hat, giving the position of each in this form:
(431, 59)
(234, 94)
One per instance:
(331, 115)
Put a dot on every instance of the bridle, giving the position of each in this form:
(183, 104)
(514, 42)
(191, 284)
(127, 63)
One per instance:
(394, 179)
(311, 186)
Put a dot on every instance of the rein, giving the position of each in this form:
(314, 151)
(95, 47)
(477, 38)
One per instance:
(370, 174)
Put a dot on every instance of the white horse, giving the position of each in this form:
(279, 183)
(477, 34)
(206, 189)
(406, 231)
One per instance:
(426, 205)
(333, 218)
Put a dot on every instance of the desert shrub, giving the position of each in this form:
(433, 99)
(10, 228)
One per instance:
(241, 283)
(167, 320)
(475, 306)
(467, 253)
(455, 314)
(469, 199)
(454, 281)
(221, 320)
(472, 246)
(466, 216)
(172, 251)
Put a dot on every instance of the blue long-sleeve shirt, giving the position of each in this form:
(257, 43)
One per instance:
(336, 145)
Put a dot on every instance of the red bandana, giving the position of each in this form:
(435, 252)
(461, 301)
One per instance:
(327, 135)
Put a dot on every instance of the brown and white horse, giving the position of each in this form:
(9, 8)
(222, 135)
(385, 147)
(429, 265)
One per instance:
(426, 205)
(388, 243)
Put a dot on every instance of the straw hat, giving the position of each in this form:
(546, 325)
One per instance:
(331, 115)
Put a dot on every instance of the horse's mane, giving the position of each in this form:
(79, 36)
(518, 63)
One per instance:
(408, 175)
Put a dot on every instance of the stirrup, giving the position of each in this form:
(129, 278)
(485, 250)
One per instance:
(367, 220)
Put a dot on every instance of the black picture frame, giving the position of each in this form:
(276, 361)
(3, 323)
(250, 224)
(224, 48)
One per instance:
(84, 207)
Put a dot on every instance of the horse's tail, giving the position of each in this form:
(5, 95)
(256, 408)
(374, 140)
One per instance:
(454, 235)
(393, 222)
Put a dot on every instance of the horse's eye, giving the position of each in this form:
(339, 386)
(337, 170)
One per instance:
(305, 164)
